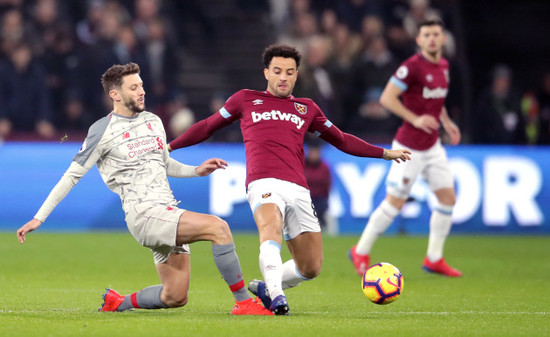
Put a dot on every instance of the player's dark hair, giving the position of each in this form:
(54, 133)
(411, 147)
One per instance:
(280, 50)
(431, 22)
(112, 78)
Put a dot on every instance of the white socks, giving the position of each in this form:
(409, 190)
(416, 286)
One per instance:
(379, 221)
(271, 267)
(291, 275)
(278, 276)
(440, 226)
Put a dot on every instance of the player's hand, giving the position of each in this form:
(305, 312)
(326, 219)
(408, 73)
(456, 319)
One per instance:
(426, 123)
(399, 155)
(453, 131)
(27, 228)
(210, 166)
(169, 148)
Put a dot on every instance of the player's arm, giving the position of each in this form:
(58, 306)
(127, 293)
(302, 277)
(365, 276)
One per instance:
(350, 144)
(176, 169)
(179, 170)
(200, 131)
(390, 100)
(450, 127)
(61, 189)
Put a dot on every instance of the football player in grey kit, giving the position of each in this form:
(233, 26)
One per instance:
(129, 148)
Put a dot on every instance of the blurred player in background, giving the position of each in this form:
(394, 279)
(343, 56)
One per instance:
(129, 147)
(422, 82)
(273, 124)
(318, 179)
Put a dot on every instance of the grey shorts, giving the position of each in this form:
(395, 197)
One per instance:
(155, 227)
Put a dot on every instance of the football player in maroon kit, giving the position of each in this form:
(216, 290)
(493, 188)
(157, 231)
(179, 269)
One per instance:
(273, 124)
(422, 82)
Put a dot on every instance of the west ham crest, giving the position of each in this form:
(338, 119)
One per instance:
(301, 108)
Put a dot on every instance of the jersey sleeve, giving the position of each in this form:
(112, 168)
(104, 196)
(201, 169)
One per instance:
(84, 160)
(173, 167)
(232, 109)
(179, 170)
(91, 152)
(202, 130)
(320, 122)
(403, 76)
(61, 189)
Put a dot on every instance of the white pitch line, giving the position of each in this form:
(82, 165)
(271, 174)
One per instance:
(448, 312)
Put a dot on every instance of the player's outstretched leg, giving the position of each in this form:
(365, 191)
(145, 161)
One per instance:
(147, 298)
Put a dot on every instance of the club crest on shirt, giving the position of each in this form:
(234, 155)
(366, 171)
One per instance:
(429, 77)
(301, 108)
(405, 181)
(402, 72)
(266, 195)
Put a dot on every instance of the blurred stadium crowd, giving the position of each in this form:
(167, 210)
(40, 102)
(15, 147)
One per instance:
(53, 52)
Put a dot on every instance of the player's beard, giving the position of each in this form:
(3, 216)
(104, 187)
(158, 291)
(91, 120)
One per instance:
(134, 106)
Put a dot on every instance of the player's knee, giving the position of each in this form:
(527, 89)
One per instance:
(222, 232)
(448, 199)
(311, 270)
(173, 300)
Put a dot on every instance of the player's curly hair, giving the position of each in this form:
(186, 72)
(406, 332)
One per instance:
(112, 77)
(280, 50)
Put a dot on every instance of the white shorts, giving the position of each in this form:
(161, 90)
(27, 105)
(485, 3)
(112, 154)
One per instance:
(294, 202)
(431, 163)
(155, 227)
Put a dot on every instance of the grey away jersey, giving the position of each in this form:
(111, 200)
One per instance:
(132, 158)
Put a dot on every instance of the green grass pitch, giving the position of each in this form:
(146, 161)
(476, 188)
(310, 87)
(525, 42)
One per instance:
(51, 286)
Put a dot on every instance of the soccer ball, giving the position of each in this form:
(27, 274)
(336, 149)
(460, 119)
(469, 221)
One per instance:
(382, 283)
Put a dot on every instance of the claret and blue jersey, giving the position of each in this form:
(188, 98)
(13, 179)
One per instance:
(424, 85)
(273, 131)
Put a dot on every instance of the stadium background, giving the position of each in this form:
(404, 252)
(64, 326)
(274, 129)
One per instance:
(211, 48)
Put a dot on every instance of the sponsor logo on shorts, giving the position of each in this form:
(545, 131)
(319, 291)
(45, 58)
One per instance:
(266, 195)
